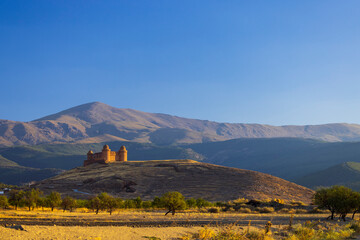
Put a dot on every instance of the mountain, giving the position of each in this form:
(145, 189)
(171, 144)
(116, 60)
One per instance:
(288, 158)
(346, 174)
(148, 179)
(98, 122)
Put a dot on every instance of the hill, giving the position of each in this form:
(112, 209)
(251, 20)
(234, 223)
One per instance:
(22, 164)
(67, 156)
(148, 179)
(346, 174)
(288, 158)
(98, 122)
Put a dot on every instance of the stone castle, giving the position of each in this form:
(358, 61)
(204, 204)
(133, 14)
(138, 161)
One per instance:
(106, 156)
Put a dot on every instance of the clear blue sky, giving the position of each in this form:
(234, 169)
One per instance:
(271, 62)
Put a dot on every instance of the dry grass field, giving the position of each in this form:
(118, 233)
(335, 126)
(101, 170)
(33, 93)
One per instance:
(127, 224)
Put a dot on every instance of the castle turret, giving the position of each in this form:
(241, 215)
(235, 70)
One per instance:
(122, 153)
(90, 155)
(106, 153)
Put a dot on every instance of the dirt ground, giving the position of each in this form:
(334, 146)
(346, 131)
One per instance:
(130, 224)
(98, 233)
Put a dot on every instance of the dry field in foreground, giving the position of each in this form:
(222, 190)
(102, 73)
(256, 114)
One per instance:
(98, 233)
(131, 224)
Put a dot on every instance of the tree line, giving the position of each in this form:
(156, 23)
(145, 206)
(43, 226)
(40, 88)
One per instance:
(34, 198)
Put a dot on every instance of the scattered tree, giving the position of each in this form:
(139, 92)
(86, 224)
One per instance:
(107, 202)
(31, 198)
(16, 197)
(53, 200)
(173, 201)
(68, 203)
(338, 200)
(191, 203)
(95, 204)
(3, 202)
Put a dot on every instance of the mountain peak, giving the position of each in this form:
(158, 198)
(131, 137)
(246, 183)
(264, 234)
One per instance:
(95, 120)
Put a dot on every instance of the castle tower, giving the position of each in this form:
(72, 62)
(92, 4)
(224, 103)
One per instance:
(90, 155)
(122, 154)
(106, 153)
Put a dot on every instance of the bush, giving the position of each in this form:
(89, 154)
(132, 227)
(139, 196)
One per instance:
(355, 225)
(265, 209)
(300, 211)
(213, 210)
(284, 210)
(244, 210)
(297, 203)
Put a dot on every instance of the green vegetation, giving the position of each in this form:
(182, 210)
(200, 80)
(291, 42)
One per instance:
(173, 201)
(53, 200)
(31, 198)
(68, 203)
(3, 202)
(338, 200)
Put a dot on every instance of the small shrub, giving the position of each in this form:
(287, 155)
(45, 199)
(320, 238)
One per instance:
(244, 210)
(278, 200)
(206, 233)
(284, 210)
(265, 209)
(316, 210)
(213, 210)
(355, 225)
(297, 203)
(300, 211)
(240, 201)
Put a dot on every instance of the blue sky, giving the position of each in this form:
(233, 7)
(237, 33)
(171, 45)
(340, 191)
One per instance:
(272, 62)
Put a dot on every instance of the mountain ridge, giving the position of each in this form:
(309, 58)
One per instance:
(100, 121)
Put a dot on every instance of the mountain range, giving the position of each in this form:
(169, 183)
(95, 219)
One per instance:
(98, 122)
(308, 155)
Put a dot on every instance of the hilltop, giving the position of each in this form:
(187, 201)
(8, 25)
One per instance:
(98, 122)
(346, 174)
(148, 179)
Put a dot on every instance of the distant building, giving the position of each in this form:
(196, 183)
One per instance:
(106, 156)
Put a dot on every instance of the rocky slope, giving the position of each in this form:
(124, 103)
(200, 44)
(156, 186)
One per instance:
(148, 179)
(98, 122)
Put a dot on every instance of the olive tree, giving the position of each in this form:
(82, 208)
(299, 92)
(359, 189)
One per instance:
(173, 201)
(31, 198)
(53, 200)
(68, 203)
(338, 200)
(16, 198)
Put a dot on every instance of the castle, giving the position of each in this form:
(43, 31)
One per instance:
(106, 156)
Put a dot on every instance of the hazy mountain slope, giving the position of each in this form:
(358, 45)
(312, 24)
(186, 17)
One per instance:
(67, 156)
(148, 179)
(20, 175)
(288, 158)
(7, 163)
(100, 122)
(347, 174)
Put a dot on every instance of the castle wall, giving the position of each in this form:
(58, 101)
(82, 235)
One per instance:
(106, 156)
